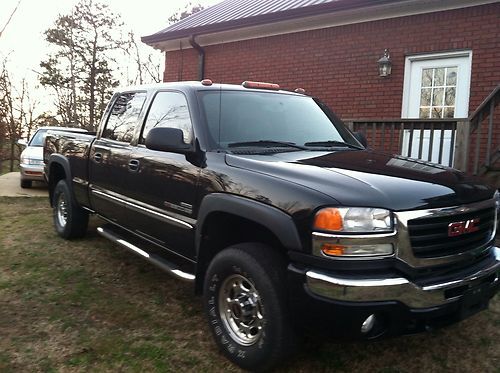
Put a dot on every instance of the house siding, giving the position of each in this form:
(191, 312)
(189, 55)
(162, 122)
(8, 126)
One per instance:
(339, 64)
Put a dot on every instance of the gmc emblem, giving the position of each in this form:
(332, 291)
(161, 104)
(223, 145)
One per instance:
(462, 227)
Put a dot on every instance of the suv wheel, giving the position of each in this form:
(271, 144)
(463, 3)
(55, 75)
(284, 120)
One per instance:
(245, 302)
(70, 220)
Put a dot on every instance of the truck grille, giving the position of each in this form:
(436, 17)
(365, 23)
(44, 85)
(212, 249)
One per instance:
(429, 236)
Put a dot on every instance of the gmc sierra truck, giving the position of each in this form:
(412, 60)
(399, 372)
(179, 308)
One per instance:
(279, 215)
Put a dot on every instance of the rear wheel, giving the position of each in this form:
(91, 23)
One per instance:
(25, 183)
(245, 301)
(70, 220)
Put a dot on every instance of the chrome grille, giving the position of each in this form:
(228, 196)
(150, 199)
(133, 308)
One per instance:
(429, 235)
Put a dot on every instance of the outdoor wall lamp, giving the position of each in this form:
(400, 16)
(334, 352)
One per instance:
(385, 64)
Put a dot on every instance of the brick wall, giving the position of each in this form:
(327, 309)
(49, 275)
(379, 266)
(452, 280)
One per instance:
(339, 64)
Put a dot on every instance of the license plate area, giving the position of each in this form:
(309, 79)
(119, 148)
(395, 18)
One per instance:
(475, 300)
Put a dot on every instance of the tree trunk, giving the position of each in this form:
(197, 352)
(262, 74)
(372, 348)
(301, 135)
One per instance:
(12, 147)
(92, 83)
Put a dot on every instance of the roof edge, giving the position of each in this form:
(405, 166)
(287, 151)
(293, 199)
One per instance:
(265, 18)
(318, 21)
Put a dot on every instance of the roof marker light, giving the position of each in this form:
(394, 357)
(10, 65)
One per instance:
(302, 91)
(206, 82)
(260, 85)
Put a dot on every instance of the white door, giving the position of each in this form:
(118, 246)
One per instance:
(436, 86)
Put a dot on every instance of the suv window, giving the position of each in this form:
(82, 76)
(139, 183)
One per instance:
(122, 121)
(169, 109)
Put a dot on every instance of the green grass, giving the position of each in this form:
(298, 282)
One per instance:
(87, 305)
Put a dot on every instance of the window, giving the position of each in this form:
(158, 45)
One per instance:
(169, 109)
(238, 116)
(124, 116)
(38, 138)
(437, 92)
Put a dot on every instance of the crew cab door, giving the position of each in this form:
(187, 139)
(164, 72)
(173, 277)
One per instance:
(109, 157)
(162, 186)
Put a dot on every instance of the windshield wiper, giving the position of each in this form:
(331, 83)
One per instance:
(332, 143)
(266, 144)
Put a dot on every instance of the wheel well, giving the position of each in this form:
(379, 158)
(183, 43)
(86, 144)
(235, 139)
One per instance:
(56, 173)
(221, 230)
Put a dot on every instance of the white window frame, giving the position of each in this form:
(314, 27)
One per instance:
(431, 56)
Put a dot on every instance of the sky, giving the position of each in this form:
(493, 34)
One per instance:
(23, 39)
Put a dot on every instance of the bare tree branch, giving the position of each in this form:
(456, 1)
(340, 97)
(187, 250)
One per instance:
(10, 18)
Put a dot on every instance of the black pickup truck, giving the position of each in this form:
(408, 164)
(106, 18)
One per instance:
(281, 218)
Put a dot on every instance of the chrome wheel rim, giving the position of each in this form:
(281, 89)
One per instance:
(241, 310)
(61, 211)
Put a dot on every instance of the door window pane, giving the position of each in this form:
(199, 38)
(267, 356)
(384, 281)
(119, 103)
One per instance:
(451, 76)
(437, 92)
(124, 116)
(169, 109)
(439, 77)
(427, 77)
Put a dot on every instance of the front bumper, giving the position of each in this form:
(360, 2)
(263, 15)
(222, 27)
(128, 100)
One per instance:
(341, 304)
(31, 172)
(400, 289)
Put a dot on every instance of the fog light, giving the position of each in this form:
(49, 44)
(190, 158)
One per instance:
(368, 324)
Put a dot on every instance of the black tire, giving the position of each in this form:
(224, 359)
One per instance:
(70, 220)
(264, 271)
(25, 183)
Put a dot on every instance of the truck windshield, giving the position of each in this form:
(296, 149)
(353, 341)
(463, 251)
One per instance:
(261, 119)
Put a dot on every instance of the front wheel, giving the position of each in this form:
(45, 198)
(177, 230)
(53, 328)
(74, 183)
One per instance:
(70, 220)
(245, 301)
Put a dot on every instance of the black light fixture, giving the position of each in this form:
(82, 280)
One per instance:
(385, 64)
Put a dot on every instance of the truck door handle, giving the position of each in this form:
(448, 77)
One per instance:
(133, 165)
(98, 157)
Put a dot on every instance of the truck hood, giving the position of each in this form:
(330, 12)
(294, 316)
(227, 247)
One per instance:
(370, 179)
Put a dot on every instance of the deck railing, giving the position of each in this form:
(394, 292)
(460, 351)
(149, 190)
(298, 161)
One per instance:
(426, 139)
(484, 136)
(468, 144)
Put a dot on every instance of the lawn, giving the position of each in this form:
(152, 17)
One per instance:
(87, 305)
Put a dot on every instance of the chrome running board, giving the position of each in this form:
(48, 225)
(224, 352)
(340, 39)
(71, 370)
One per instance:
(152, 258)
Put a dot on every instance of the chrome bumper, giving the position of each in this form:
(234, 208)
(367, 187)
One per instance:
(398, 288)
(32, 172)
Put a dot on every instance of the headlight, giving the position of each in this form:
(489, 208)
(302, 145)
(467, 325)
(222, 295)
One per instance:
(354, 220)
(353, 232)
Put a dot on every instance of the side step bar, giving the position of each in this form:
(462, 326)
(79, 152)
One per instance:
(152, 258)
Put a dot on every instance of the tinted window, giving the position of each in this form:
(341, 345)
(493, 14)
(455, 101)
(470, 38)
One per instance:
(122, 121)
(234, 116)
(37, 139)
(169, 109)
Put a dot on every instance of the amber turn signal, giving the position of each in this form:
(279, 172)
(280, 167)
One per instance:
(332, 249)
(328, 219)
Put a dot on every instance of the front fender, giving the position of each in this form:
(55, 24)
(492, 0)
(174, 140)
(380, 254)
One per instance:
(278, 222)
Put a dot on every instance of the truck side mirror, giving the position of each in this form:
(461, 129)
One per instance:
(167, 139)
(360, 136)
